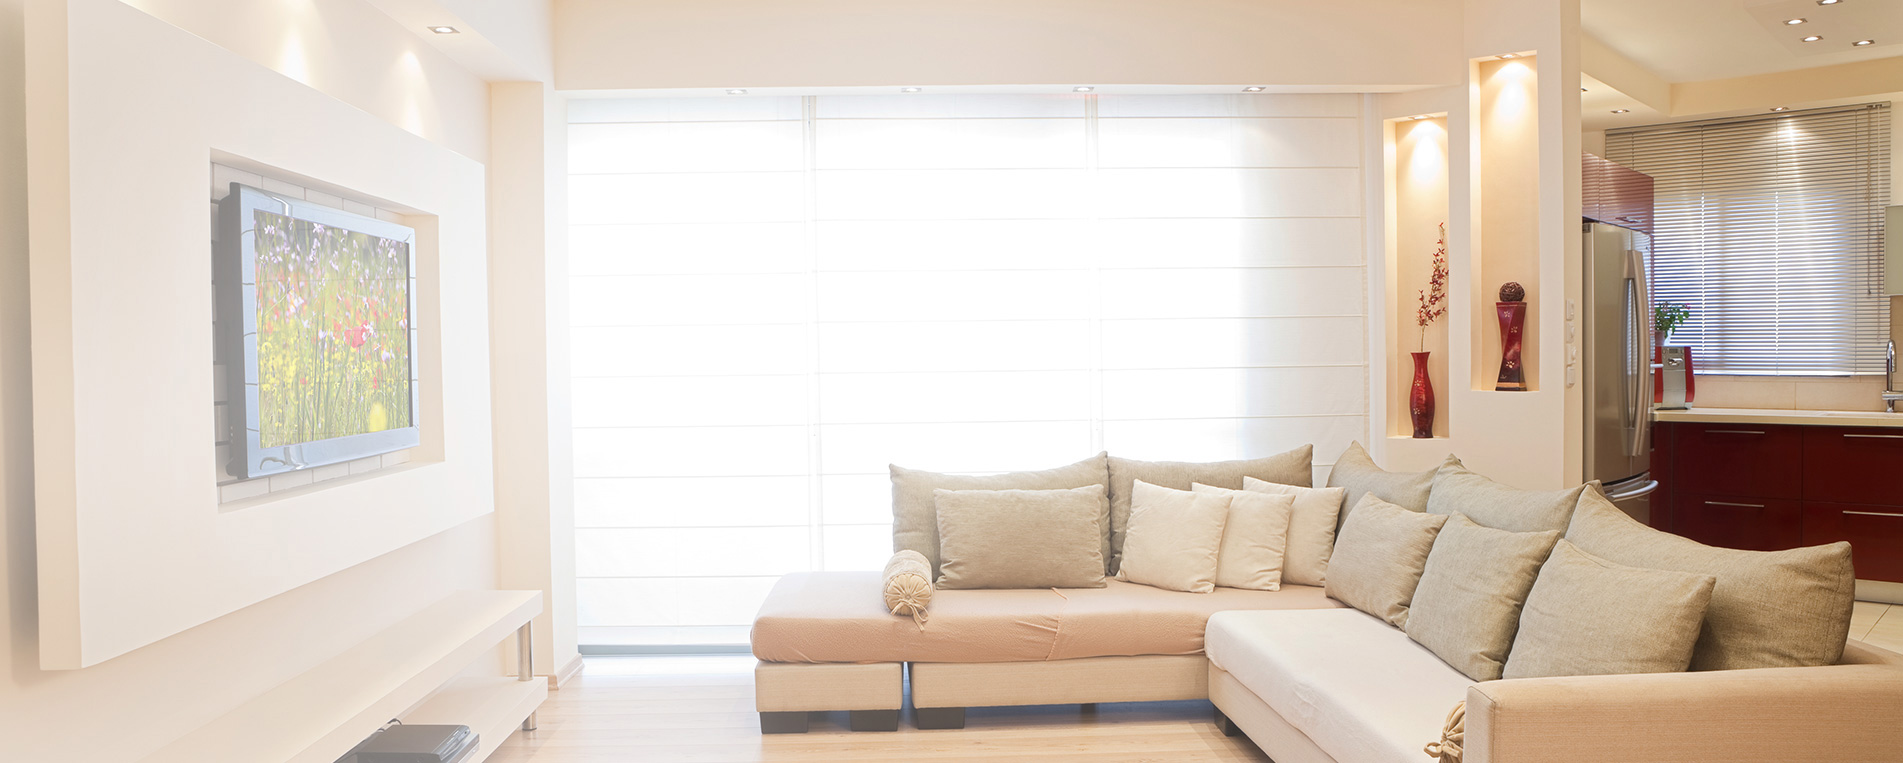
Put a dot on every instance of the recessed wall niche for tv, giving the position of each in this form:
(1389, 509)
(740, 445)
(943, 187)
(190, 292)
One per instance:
(325, 359)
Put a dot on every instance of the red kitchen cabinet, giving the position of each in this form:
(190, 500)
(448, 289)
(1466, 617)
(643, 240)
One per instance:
(1756, 524)
(1875, 534)
(1749, 460)
(1853, 465)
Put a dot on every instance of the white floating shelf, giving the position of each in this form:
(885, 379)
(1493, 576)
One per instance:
(319, 715)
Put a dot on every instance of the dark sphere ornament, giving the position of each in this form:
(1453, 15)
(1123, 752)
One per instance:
(1512, 291)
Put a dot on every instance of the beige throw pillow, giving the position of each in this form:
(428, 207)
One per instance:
(1769, 609)
(1587, 616)
(915, 515)
(1467, 606)
(1356, 473)
(1254, 540)
(1175, 538)
(1021, 538)
(1290, 468)
(1379, 556)
(1311, 529)
(1458, 489)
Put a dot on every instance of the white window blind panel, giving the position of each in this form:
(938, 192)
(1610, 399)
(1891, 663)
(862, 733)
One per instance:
(958, 283)
(1770, 228)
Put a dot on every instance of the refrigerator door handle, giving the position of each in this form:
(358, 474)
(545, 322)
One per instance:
(1638, 361)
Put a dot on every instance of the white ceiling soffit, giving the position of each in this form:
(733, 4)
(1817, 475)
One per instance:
(1693, 40)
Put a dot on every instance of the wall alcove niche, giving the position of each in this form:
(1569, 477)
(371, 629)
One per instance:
(1507, 134)
(1416, 208)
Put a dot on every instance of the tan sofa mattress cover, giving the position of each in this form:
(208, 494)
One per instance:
(840, 617)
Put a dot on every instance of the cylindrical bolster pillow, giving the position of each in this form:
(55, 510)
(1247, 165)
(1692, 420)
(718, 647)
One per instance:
(908, 585)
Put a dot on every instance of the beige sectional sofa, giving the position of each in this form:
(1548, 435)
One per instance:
(1304, 676)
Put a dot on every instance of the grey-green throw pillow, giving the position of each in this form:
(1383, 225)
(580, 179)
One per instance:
(1378, 558)
(1587, 616)
(1458, 489)
(1021, 538)
(1467, 606)
(1356, 472)
(915, 516)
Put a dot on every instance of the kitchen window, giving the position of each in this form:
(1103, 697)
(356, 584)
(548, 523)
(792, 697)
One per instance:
(1770, 229)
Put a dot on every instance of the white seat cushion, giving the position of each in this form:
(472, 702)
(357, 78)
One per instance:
(1355, 685)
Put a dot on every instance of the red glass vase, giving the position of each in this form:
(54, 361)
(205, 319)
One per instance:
(1420, 398)
(1512, 328)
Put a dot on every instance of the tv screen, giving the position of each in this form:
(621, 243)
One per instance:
(325, 301)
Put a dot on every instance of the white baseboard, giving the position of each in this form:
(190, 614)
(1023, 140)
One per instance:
(566, 674)
(1880, 591)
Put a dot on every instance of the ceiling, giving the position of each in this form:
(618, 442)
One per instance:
(1693, 40)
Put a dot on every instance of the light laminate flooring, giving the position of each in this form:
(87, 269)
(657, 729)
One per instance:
(700, 709)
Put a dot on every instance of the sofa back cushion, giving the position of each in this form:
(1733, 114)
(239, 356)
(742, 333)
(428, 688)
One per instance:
(1021, 538)
(1768, 609)
(1467, 606)
(1379, 556)
(915, 515)
(1587, 616)
(1255, 539)
(1458, 489)
(1311, 529)
(1356, 473)
(1175, 538)
(1290, 468)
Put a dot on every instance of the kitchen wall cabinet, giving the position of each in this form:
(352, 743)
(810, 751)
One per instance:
(1768, 487)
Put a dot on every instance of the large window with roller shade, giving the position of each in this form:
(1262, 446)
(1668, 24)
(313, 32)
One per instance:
(1769, 229)
(772, 298)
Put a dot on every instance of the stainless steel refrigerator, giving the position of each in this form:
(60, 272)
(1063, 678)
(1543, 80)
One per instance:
(1616, 365)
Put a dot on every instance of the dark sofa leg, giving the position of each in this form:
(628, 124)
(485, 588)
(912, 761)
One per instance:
(1229, 728)
(874, 720)
(783, 723)
(939, 717)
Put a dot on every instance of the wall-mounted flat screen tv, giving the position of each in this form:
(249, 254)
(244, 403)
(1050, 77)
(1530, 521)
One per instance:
(322, 348)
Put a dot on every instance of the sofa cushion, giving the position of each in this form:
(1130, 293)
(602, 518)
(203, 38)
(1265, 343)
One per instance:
(915, 516)
(1021, 538)
(1290, 468)
(1311, 529)
(1175, 538)
(1768, 609)
(1355, 685)
(1467, 607)
(1254, 540)
(1379, 557)
(1356, 473)
(1458, 489)
(1587, 616)
(840, 617)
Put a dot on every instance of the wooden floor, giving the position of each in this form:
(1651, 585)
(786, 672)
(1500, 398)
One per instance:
(641, 709)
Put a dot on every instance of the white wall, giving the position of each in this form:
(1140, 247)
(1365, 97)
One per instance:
(132, 704)
(1368, 45)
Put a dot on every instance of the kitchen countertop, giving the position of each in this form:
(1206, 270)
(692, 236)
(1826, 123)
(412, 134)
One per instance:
(1781, 416)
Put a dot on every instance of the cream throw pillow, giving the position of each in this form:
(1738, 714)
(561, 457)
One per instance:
(1311, 528)
(1175, 538)
(1379, 557)
(1587, 616)
(1020, 538)
(1769, 609)
(1253, 540)
(1467, 607)
(1289, 468)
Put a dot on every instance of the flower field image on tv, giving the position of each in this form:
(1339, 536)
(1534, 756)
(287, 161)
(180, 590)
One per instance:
(333, 331)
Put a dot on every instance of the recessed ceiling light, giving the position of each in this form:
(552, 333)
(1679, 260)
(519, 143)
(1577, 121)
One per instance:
(1814, 38)
(736, 91)
(1082, 89)
(1507, 56)
(1861, 43)
(1420, 116)
(1828, 2)
(1620, 111)
(1254, 89)
(910, 89)
(1794, 22)
(1780, 108)
(444, 30)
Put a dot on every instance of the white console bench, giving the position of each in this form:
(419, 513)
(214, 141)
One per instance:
(412, 670)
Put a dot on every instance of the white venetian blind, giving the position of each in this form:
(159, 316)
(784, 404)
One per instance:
(1770, 229)
(775, 298)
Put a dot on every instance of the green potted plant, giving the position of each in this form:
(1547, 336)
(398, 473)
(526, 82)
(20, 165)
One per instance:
(1667, 316)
